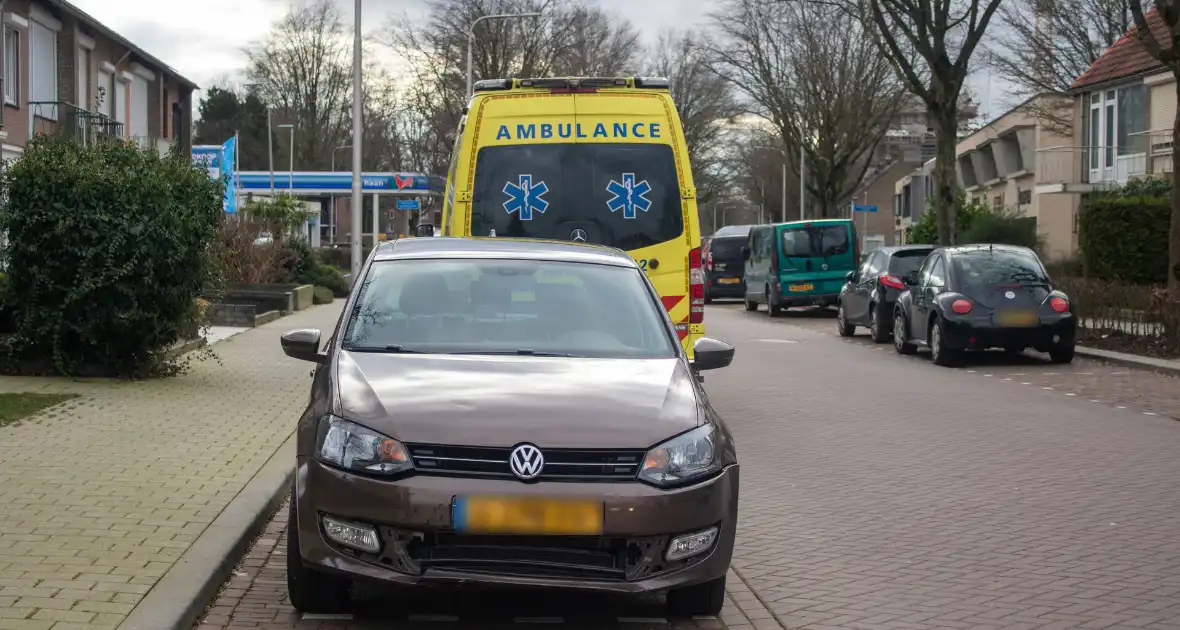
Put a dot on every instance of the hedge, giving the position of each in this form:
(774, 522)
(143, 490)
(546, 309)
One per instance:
(107, 252)
(1125, 238)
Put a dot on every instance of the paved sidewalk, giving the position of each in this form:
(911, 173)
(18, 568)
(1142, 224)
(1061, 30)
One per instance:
(103, 494)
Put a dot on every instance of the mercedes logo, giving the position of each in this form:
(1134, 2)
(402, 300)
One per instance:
(526, 461)
(1010, 295)
(578, 236)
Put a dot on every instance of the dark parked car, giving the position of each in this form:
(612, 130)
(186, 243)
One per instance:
(725, 264)
(510, 413)
(868, 297)
(976, 297)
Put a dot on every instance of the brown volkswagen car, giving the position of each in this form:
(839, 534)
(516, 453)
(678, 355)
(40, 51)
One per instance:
(509, 412)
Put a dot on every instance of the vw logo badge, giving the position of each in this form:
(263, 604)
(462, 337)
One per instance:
(578, 236)
(1010, 295)
(526, 461)
(824, 267)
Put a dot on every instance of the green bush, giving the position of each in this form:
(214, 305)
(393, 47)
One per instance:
(340, 257)
(1125, 238)
(925, 231)
(1003, 227)
(108, 249)
(322, 295)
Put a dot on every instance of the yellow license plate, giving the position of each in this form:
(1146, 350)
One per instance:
(802, 287)
(515, 515)
(1017, 318)
(729, 280)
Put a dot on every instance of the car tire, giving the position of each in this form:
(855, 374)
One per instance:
(1061, 354)
(842, 325)
(879, 335)
(900, 336)
(750, 304)
(708, 298)
(704, 599)
(311, 591)
(942, 355)
(772, 307)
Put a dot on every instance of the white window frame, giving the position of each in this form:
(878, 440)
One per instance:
(47, 21)
(12, 66)
(1104, 163)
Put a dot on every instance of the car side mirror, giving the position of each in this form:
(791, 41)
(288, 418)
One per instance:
(745, 253)
(426, 229)
(711, 354)
(850, 276)
(303, 344)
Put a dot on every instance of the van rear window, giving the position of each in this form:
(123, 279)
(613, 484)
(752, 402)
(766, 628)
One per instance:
(815, 241)
(621, 195)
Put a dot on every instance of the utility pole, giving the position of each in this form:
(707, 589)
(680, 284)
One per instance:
(802, 188)
(270, 149)
(358, 202)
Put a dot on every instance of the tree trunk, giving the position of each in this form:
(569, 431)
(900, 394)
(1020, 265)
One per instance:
(946, 183)
(1174, 230)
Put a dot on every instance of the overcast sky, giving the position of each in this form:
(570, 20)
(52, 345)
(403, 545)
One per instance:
(203, 39)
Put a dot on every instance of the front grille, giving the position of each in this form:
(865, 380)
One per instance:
(535, 556)
(560, 464)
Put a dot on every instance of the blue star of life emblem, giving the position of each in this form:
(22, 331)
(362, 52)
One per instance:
(525, 198)
(629, 196)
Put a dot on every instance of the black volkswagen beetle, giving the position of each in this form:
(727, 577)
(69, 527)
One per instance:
(975, 297)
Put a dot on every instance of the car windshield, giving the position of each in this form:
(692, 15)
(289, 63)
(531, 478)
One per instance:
(815, 241)
(906, 262)
(986, 269)
(621, 195)
(727, 247)
(480, 306)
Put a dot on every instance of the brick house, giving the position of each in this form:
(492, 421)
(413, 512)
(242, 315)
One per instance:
(1124, 107)
(64, 72)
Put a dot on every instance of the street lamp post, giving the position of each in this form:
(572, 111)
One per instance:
(357, 199)
(343, 146)
(291, 156)
(802, 189)
(270, 150)
(471, 36)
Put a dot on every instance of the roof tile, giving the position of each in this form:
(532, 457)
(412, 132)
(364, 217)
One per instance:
(1126, 57)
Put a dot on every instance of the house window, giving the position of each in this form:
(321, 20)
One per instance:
(1132, 120)
(1024, 197)
(84, 100)
(164, 115)
(43, 69)
(12, 58)
(998, 201)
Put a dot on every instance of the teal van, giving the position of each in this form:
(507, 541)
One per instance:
(801, 263)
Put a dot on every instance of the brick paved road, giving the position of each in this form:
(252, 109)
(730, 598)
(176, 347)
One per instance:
(882, 492)
(99, 497)
(885, 492)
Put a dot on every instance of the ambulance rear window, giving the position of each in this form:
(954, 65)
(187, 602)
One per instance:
(621, 195)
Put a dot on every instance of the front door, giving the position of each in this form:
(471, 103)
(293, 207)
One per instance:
(856, 301)
(924, 294)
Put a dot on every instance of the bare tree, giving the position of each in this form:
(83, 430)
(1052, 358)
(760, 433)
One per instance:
(930, 44)
(705, 101)
(1043, 46)
(815, 74)
(1158, 30)
(572, 39)
(302, 69)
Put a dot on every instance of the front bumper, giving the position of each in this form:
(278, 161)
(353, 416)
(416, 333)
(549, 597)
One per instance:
(421, 547)
(976, 334)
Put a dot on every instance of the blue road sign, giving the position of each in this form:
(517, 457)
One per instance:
(407, 204)
(856, 208)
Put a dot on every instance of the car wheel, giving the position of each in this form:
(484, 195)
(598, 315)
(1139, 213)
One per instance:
(900, 336)
(311, 591)
(842, 325)
(880, 335)
(702, 599)
(1061, 354)
(708, 298)
(750, 304)
(772, 307)
(939, 352)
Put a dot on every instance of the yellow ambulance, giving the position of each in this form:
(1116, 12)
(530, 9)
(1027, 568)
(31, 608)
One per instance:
(593, 160)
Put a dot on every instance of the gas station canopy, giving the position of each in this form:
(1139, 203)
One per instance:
(305, 183)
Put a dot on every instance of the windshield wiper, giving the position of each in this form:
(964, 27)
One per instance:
(392, 348)
(525, 352)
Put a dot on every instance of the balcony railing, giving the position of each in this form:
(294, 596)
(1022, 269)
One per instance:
(1084, 168)
(74, 122)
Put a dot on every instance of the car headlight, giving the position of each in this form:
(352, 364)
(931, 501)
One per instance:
(681, 458)
(349, 445)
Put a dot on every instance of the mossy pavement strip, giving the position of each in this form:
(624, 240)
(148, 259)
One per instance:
(15, 406)
(103, 494)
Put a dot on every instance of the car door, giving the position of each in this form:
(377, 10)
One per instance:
(929, 288)
(856, 308)
(753, 262)
(917, 316)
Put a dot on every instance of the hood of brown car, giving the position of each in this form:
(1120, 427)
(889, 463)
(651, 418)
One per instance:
(501, 401)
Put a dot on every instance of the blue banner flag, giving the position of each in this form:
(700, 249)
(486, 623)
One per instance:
(228, 175)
